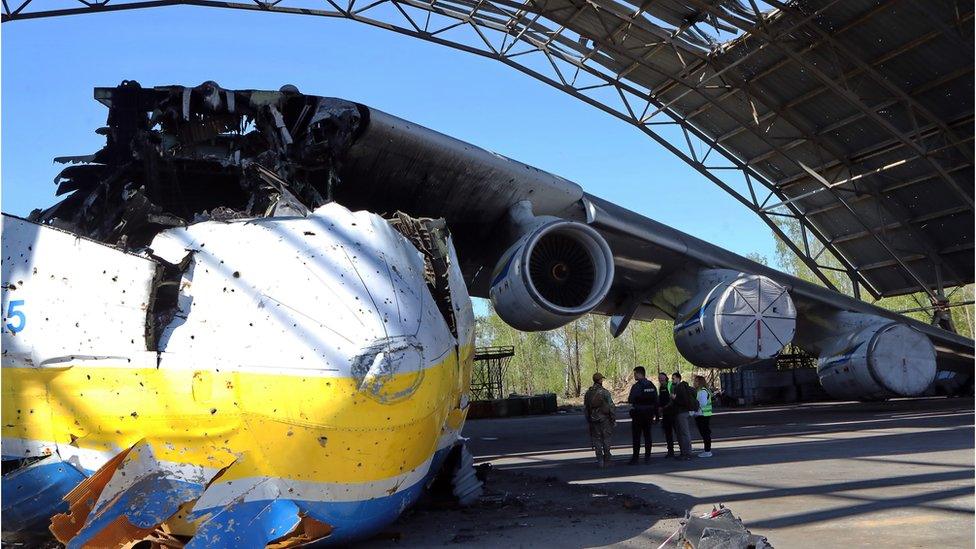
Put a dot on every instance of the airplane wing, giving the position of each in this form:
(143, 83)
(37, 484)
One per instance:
(430, 174)
(541, 248)
(635, 238)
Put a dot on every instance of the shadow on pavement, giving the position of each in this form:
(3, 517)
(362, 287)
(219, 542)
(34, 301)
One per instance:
(872, 436)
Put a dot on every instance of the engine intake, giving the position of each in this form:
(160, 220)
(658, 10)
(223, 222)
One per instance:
(742, 319)
(877, 361)
(557, 272)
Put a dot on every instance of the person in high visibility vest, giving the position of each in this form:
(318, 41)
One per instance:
(703, 417)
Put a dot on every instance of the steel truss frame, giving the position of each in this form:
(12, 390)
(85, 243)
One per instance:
(488, 372)
(538, 38)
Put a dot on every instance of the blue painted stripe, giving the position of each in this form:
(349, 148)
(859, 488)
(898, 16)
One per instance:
(148, 502)
(33, 494)
(251, 524)
(42, 487)
(695, 317)
(504, 272)
(350, 521)
(846, 356)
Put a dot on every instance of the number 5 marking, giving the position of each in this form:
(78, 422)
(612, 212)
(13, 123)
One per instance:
(12, 313)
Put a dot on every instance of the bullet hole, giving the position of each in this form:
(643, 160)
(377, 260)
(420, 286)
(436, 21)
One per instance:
(213, 411)
(134, 414)
(88, 376)
(237, 274)
(323, 440)
(309, 233)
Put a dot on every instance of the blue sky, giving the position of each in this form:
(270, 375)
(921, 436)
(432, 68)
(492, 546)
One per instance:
(50, 66)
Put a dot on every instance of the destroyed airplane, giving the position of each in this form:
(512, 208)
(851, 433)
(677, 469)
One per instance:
(248, 321)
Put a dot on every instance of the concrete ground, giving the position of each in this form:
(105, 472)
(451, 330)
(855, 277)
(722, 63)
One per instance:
(893, 474)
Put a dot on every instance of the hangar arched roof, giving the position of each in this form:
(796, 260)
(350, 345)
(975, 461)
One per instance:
(854, 118)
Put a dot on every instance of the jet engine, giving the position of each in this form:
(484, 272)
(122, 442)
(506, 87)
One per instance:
(739, 320)
(880, 360)
(555, 273)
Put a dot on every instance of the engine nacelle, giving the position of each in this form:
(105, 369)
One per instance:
(742, 319)
(881, 360)
(555, 273)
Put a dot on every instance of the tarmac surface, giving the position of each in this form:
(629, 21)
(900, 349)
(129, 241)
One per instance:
(891, 474)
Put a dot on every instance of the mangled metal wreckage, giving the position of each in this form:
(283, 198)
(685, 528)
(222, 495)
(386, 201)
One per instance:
(200, 346)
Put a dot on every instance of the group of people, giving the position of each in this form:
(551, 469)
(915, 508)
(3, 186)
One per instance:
(673, 402)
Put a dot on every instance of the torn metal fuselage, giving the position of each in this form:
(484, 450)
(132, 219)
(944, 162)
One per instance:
(199, 345)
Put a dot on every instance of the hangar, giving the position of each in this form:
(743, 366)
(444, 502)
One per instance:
(851, 120)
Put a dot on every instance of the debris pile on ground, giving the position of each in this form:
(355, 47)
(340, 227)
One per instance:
(719, 529)
(524, 509)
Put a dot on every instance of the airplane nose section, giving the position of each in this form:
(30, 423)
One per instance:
(337, 293)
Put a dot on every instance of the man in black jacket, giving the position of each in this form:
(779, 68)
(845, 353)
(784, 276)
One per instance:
(644, 404)
(667, 411)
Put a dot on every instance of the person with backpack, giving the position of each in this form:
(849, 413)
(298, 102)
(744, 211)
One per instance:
(703, 416)
(684, 403)
(598, 408)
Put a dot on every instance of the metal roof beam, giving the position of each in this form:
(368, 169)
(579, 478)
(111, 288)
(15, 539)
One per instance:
(844, 93)
(876, 150)
(885, 190)
(877, 237)
(915, 258)
(899, 224)
(793, 103)
(833, 127)
(881, 79)
(785, 60)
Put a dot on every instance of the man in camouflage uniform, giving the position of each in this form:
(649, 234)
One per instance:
(598, 408)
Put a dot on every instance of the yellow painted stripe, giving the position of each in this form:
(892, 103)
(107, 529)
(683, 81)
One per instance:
(302, 428)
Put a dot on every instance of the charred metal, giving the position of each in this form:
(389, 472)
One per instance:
(176, 155)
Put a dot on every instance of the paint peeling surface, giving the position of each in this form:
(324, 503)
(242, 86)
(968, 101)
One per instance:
(300, 380)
